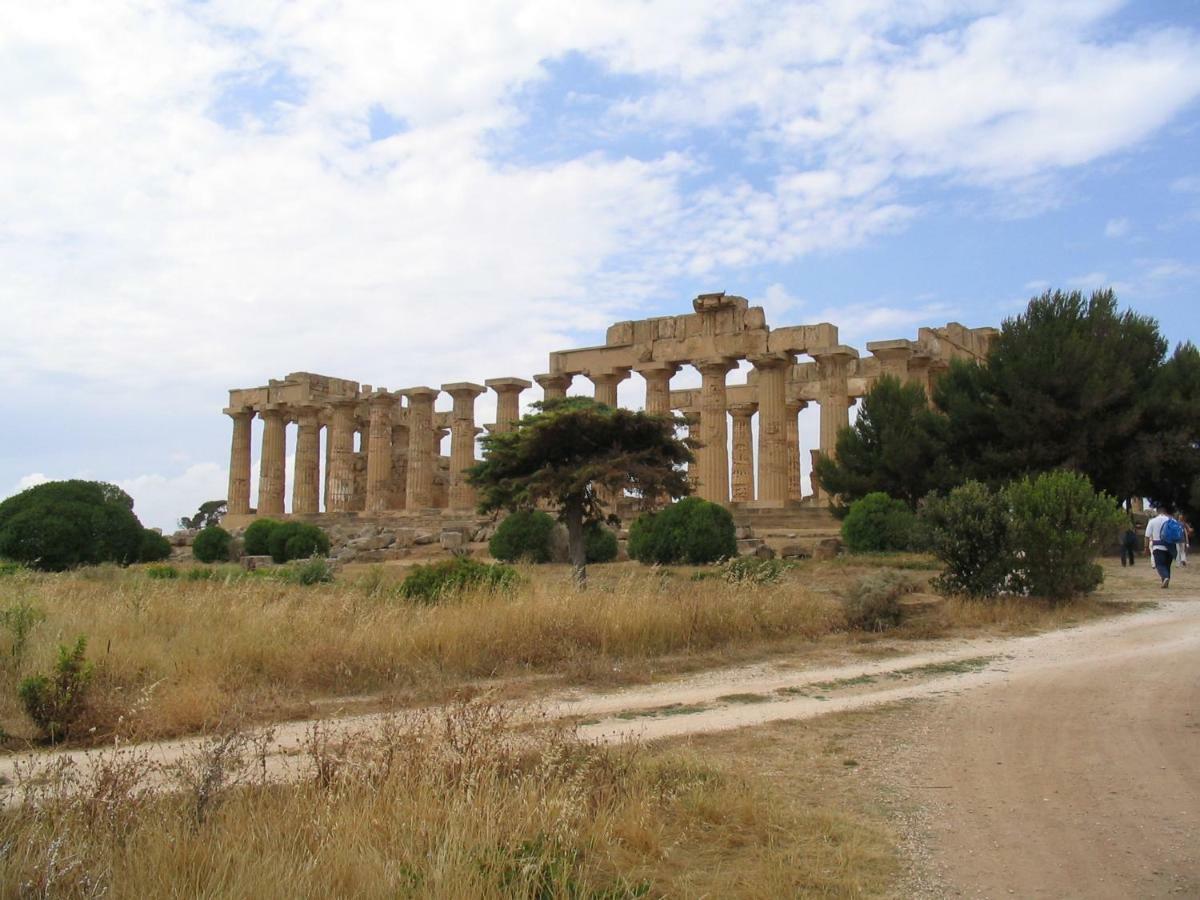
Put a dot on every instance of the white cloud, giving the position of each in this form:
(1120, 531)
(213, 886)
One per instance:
(31, 480)
(1116, 228)
(159, 500)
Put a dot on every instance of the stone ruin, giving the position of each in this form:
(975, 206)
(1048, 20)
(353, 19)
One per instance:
(382, 457)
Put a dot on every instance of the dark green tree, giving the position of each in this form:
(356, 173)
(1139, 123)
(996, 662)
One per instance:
(62, 524)
(209, 514)
(1168, 450)
(896, 446)
(571, 452)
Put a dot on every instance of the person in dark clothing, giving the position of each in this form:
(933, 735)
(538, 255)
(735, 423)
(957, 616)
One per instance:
(1129, 546)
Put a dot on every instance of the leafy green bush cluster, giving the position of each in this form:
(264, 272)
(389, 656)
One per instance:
(523, 535)
(154, 548)
(284, 541)
(162, 573)
(873, 602)
(878, 523)
(752, 570)
(600, 543)
(55, 701)
(1037, 536)
(691, 531)
(449, 577)
(212, 544)
(63, 524)
(257, 535)
(11, 568)
(314, 570)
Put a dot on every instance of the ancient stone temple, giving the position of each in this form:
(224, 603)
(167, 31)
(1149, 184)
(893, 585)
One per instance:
(382, 455)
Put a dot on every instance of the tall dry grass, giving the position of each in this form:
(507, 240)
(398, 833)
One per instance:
(177, 656)
(450, 806)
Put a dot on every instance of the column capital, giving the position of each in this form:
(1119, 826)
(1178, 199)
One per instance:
(461, 389)
(272, 410)
(420, 393)
(235, 412)
(771, 360)
(840, 353)
(508, 385)
(648, 369)
(743, 410)
(716, 365)
(608, 376)
(550, 381)
(795, 406)
(900, 349)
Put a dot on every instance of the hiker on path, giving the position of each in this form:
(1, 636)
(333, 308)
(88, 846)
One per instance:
(1129, 544)
(1164, 534)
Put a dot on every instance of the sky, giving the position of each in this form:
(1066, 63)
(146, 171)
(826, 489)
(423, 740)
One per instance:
(196, 196)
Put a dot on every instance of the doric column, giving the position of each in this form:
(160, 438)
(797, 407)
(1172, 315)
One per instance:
(462, 441)
(379, 450)
(742, 477)
(238, 500)
(772, 372)
(658, 386)
(605, 383)
(422, 449)
(918, 372)
(713, 481)
(554, 385)
(792, 411)
(833, 365)
(339, 492)
(306, 488)
(893, 357)
(508, 401)
(816, 485)
(272, 466)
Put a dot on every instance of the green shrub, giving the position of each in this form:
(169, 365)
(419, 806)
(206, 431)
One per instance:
(154, 548)
(691, 531)
(873, 602)
(55, 701)
(162, 572)
(449, 577)
(877, 523)
(752, 570)
(212, 544)
(63, 524)
(967, 530)
(600, 543)
(523, 535)
(258, 535)
(19, 620)
(314, 570)
(1057, 527)
(297, 540)
(11, 568)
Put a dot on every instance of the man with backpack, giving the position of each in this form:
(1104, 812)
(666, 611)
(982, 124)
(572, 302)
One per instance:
(1163, 536)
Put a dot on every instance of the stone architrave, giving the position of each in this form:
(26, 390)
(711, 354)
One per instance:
(658, 386)
(272, 466)
(306, 487)
(238, 500)
(792, 410)
(422, 447)
(379, 450)
(462, 441)
(554, 385)
(605, 390)
(771, 371)
(713, 456)
(508, 402)
(339, 493)
(742, 470)
(833, 365)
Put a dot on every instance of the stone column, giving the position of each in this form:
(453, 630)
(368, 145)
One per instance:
(893, 357)
(554, 385)
(742, 478)
(792, 411)
(379, 450)
(606, 385)
(306, 489)
(272, 466)
(772, 372)
(462, 441)
(422, 449)
(713, 481)
(918, 372)
(816, 485)
(833, 364)
(238, 499)
(508, 401)
(339, 493)
(658, 386)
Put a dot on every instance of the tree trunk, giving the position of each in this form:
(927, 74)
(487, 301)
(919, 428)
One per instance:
(576, 546)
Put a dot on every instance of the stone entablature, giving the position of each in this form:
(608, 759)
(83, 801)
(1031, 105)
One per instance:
(381, 446)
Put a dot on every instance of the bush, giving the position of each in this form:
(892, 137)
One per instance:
(314, 570)
(600, 543)
(691, 531)
(523, 535)
(1057, 527)
(212, 544)
(258, 536)
(55, 701)
(155, 547)
(296, 540)
(877, 523)
(63, 524)
(11, 568)
(752, 570)
(440, 580)
(967, 530)
(162, 572)
(873, 602)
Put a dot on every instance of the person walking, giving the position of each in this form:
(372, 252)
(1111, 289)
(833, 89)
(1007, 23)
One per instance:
(1163, 536)
(1129, 546)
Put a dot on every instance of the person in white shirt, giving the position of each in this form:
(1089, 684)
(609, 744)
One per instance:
(1160, 551)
